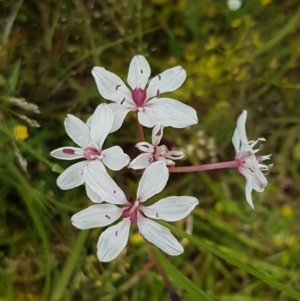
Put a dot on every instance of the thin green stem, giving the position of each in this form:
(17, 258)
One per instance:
(159, 268)
(69, 267)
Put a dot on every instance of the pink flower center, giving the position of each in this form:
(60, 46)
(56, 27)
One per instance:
(160, 151)
(139, 96)
(131, 211)
(91, 153)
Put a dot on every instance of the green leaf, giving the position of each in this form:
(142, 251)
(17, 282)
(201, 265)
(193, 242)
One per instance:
(203, 246)
(281, 34)
(68, 270)
(181, 280)
(2, 80)
(13, 79)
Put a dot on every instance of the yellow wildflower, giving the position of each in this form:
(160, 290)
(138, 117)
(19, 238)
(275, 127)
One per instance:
(136, 239)
(286, 211)
(21, 132)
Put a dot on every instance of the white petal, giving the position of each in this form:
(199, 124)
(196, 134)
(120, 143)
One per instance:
(167, 161)
(110, 86)
(72, 176)
(120, 112)
(102, 122)
(93, 196)
(113, 240)
(114, 158)
(153, 181)
(168, 81)
(241, 127)
(141, 161)
(104, 185)
(68, 153)
(236, 141)
(171, 209)
(145, 147)
(96, 216)
(89, 121)
(139, 72)
(157, 134)
(77, 130)
(248, 187)
(259, 181)
(175, 155)
(159, 235)
(167, 112)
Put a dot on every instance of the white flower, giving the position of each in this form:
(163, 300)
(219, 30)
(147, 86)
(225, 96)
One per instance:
(249, 165)
(114, 239)
(90, 141)
(151, 109)
(155, 152)
(234, 4)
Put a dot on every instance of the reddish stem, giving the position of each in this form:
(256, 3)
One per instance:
(221, 165)
(140, 129)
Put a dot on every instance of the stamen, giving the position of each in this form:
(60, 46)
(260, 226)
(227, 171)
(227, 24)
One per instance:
(107, 216)
(117, 87)
(116, 234)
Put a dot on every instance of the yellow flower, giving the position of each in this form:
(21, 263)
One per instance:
(136, 239)
(21, 132)
(286, 211)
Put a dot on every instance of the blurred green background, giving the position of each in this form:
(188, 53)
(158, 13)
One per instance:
(247, 58)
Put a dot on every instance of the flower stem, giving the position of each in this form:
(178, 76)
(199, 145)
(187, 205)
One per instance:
(203, 167)
(161, 271)
(140, 130)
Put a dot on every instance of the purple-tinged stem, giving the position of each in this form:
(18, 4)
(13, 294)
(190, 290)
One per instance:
(140, 130)
(203, 167)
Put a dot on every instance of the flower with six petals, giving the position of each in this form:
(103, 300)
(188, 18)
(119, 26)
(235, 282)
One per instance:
(155, 152)
(90, 141)
(151, 108)
(249, 165)
(113, 240)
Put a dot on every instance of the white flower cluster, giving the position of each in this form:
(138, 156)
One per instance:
(156, 161)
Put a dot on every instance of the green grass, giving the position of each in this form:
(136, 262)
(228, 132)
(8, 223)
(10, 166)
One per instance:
(247, 59)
